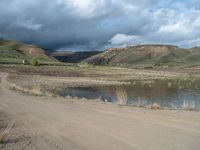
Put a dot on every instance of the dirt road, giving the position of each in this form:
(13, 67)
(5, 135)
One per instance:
(47, 123)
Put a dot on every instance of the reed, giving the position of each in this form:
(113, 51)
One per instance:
(122, 96)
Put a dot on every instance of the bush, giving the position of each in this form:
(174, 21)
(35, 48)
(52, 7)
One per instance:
(35, 62)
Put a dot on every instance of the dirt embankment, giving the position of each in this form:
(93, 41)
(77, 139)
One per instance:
(59, 124)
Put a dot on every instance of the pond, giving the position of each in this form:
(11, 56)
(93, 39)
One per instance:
(175, 94)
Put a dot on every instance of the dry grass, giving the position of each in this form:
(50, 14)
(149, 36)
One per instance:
(121, 96)
(4, 135)
(36, 89)
(155, 106)
(32, 89)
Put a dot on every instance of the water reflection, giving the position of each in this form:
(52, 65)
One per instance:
(166, 93)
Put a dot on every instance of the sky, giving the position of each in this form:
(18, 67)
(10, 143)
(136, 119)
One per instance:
(100, 24)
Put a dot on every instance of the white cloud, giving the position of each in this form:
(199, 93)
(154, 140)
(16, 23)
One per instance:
(177, 27)
(94, 8)
(29, 24)
(123, 39)
(189, 43)
(84, 8)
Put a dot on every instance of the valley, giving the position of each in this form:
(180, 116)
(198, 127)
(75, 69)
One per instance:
(92, 102)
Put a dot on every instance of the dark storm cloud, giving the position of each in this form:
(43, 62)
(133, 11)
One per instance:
(98, 24)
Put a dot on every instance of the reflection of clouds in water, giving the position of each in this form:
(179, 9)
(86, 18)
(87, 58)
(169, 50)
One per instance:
(166, 93)
(188, 104)
(172, 105)
(138, 101)
(142, 102)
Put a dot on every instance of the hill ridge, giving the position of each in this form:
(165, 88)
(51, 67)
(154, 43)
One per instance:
(149, 55)
(16, 52)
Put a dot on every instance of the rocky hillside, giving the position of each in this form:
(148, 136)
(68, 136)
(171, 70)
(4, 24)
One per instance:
(144, 56)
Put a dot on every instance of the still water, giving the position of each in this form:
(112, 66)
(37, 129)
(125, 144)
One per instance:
(175, 94)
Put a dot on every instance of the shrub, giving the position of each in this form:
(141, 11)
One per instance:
(35, 62)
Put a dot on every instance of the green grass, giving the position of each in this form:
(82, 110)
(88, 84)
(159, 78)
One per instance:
(14, 53)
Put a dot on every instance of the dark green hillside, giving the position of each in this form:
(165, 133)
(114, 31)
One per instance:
(73, 57)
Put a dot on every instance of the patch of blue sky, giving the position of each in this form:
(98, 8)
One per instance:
(110, 23)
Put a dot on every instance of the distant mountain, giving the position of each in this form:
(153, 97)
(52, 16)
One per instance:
(73, 57)
(147, 56)
(15, 52)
